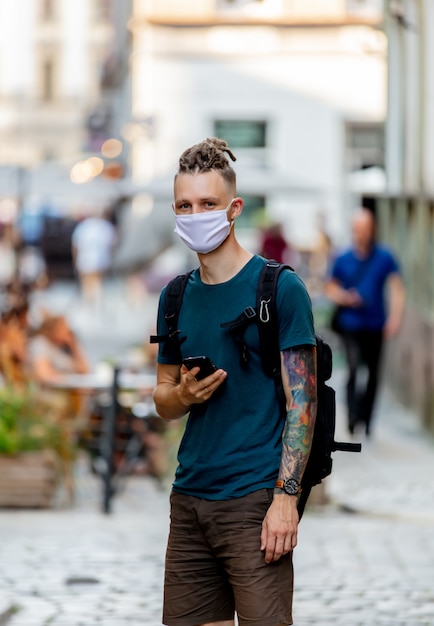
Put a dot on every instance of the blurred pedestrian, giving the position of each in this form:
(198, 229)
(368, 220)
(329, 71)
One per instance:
(274, 245)
(367, 286)
(93, 242)
(320, 256)
(32, 268)
(8, 254)
(55, 352)
(14, 324)
(234, 518)
(13, 349)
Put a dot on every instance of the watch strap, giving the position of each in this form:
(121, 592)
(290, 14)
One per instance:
(289, 486)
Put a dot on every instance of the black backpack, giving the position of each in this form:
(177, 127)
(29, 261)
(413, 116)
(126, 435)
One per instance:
(320, 462)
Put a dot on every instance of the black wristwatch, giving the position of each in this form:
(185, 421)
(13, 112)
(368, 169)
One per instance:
(290, 486)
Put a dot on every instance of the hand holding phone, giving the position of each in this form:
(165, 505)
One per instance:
(207, 367)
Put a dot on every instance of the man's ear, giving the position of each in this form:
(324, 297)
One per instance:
(237, 207)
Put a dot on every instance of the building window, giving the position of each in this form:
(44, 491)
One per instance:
(102, 10)
(48, 9)
(242, 133)
(236, 3)
(365, 145)
(47, 80)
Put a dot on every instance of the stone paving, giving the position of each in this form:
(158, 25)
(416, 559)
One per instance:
(78, 566)
(368, 557)
(364, 559)
(363, 570)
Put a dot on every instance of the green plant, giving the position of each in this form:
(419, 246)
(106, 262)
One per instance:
(29, 422)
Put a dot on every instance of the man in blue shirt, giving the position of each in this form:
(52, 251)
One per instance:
(366, 283)
(234, 512)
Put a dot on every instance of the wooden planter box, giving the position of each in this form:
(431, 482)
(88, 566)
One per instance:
(28, 480)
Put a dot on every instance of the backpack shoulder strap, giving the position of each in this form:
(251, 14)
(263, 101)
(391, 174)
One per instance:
(268, 325)
(267, 316)
(172, 304)
(173, 299)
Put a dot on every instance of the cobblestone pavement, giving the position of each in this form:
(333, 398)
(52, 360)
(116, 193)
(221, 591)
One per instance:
(366, 558)
(78, 566)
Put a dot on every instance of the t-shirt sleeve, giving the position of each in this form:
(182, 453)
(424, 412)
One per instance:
(392, 264)
(336, 271)
(294, 306)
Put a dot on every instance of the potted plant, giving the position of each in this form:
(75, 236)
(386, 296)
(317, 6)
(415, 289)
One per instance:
(36, 448)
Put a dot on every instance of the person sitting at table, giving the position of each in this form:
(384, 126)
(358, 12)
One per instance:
(55, 351)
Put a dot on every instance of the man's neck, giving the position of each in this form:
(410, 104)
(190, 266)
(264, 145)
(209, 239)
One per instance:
(223, 264)
(362, 252)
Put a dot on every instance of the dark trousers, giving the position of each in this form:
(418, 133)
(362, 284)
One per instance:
(362, 349)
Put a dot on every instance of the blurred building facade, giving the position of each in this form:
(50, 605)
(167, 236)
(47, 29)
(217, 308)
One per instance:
(406, 209)
(54, 58)
(52, 54)
(317, 99)
(297, 87)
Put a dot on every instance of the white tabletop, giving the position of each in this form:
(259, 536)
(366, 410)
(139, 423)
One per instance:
(99, 380)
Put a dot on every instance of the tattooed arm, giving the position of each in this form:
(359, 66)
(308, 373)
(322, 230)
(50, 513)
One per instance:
(279, 528)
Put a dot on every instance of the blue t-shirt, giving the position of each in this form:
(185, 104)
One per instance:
(369, 277)
(232, 443)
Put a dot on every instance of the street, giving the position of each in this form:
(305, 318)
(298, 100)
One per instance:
(366, 558)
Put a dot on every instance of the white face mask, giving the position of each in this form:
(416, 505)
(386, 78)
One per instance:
(204, 232)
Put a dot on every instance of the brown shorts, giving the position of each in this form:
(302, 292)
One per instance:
(214, 565)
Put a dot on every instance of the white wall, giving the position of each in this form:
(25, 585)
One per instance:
(16, 47)
(75, 64)
(304, 173)
(427, 30)
(21, 32)
(410, 120)
(305, 82)
(31, 127)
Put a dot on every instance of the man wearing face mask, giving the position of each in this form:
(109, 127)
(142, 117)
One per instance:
(234, 512)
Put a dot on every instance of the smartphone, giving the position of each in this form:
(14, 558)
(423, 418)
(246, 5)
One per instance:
(207, 367)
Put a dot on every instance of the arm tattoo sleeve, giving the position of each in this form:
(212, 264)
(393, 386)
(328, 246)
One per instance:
(299, 380)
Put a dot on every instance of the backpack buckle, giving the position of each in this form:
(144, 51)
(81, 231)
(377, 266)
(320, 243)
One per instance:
(249, 312)
(241, 321)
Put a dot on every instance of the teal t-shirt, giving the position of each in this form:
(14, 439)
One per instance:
(232, 443)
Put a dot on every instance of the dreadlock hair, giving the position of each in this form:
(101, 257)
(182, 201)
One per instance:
(206, 156)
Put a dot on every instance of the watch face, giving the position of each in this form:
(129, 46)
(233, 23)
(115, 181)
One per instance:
(291, 486)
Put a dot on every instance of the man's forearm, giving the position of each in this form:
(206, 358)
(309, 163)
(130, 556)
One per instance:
(300, 373)
(296, 445)
(168, 401)
(397, 302)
